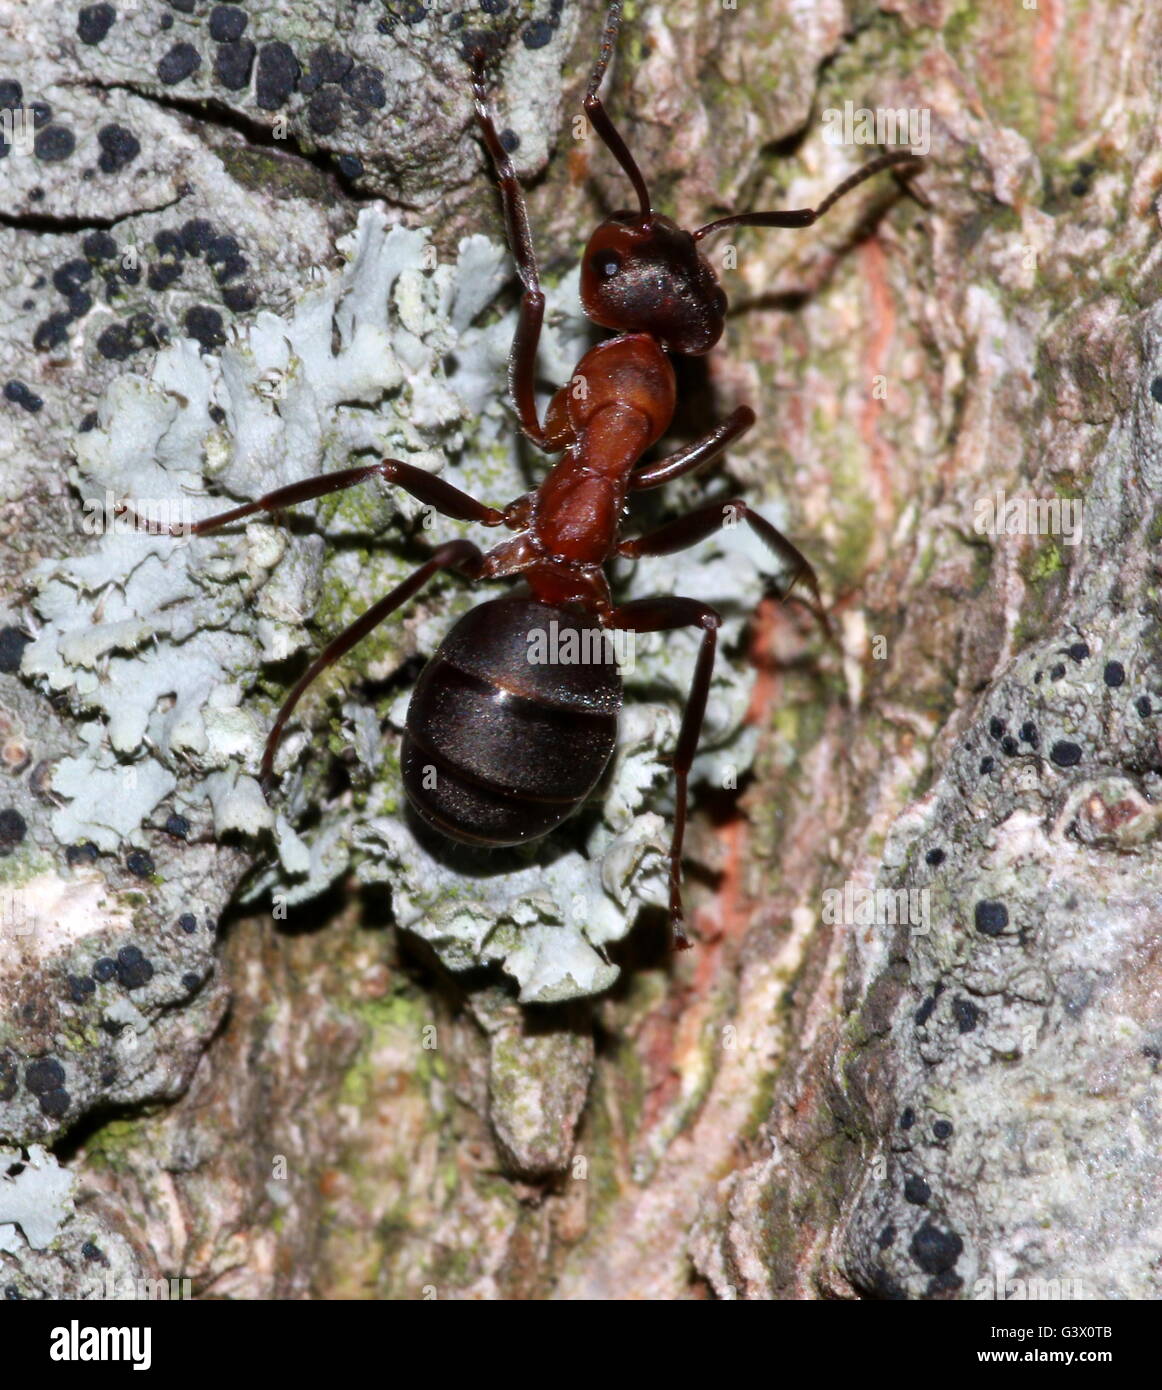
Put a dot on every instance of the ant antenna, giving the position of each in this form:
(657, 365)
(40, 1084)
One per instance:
(804, 217)
(601, 122)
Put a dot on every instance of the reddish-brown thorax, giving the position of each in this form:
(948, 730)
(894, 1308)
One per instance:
(619, 402)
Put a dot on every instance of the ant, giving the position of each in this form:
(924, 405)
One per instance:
(498, 750)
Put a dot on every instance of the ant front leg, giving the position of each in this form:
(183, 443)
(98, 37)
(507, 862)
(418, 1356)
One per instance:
(665, 615)
(694, 456)
(417, 482)
(454, 555)
(522, 362)
(703, 521)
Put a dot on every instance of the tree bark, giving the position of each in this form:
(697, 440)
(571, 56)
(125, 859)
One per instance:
(914, 1051)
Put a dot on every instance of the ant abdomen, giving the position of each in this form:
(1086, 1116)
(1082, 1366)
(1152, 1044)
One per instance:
(511, 723)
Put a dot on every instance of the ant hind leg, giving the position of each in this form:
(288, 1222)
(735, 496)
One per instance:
(664, 615)
(454, 555)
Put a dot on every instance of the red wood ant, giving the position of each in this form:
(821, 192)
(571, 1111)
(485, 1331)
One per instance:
(498, 750)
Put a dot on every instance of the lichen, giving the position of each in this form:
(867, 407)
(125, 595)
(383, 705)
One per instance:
(35, 1195)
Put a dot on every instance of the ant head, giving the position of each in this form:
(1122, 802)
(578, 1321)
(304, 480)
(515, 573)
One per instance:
(645, 275)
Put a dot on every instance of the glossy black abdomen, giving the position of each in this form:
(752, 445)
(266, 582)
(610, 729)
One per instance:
(511, 722)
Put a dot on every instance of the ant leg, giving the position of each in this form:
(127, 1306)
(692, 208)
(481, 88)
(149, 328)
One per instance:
(522, 361)
(599, 118)
(703, 521)
(417, 482)
(454, 555)
(664, 615)
(805, 217)
(696, 455)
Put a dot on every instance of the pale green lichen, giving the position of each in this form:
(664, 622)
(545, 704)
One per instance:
(35, 1196)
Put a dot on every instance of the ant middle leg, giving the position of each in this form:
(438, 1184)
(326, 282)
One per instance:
(417, 482)
(696, 455)
(703, 521)
(453, 555)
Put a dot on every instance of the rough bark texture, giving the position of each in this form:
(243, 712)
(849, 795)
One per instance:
(816, 1101)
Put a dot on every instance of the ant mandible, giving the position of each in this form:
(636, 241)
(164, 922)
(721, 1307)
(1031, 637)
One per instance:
(498, 750)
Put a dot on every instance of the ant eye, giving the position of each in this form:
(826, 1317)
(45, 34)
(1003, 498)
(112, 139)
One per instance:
(606, 264)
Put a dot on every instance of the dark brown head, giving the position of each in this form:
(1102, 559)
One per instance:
(646, 276)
